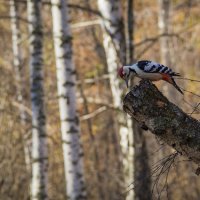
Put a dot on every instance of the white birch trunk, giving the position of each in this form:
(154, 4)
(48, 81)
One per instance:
(114, 45)
(39, 136)
(66, 82)
(17, 63)
(163, 25)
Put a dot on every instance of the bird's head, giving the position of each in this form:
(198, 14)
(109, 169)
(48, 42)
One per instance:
(124, 73)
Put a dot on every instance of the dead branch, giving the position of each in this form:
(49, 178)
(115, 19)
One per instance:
(147, 105)
(93, 114)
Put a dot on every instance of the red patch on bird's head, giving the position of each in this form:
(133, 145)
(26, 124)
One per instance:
(121, 72)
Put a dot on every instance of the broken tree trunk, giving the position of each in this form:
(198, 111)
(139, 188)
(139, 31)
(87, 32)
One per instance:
(153, 111)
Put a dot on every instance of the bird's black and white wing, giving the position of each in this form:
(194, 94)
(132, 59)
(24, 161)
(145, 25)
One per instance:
(154, 67)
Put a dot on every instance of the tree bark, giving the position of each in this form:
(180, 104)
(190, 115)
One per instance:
(114, 43)
(130, 172)
(166, 53)
(169, 123)
(115, 49)
(130, 32)
(142, 175)
(163, 25)
(17, 64)
(39, 136)
(139, 170)
(112, 22)
(66, 82)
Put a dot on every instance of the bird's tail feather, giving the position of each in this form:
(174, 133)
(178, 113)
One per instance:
(176, 86)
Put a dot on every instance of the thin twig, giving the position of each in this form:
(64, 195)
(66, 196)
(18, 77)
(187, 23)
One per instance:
(86, 23)
(195, 108)
(156, 38)
(93, 114)
(187, 79)
(93, 80)
(197, 95)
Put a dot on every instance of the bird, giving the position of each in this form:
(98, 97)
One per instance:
(150, 70)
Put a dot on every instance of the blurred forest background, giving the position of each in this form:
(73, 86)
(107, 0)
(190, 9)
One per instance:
(120, 161)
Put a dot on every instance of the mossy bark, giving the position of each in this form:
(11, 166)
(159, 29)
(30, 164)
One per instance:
(168, 122)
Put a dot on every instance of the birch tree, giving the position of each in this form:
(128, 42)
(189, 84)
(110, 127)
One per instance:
(115, 49)
(39, 136)
(17, 63)
(66, 81)
(163, 25)
(114, 43)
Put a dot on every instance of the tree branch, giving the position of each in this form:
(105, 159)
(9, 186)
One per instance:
(153, 111)
(70, 5)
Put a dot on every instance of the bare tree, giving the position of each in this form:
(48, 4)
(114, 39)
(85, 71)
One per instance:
(17, 63)
(66, 82)
(163, 25)
(131, 173)
(140, 170)
(130, 31)
(166, 52)
(39, 136)
(115, 49)
(114, 43)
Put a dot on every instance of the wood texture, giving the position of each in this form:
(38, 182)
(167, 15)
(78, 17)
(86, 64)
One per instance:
(147, 105)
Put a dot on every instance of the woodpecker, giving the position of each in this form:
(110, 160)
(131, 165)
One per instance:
(150, 70)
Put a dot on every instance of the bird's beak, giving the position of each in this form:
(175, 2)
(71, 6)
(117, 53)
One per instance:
(126, 80)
